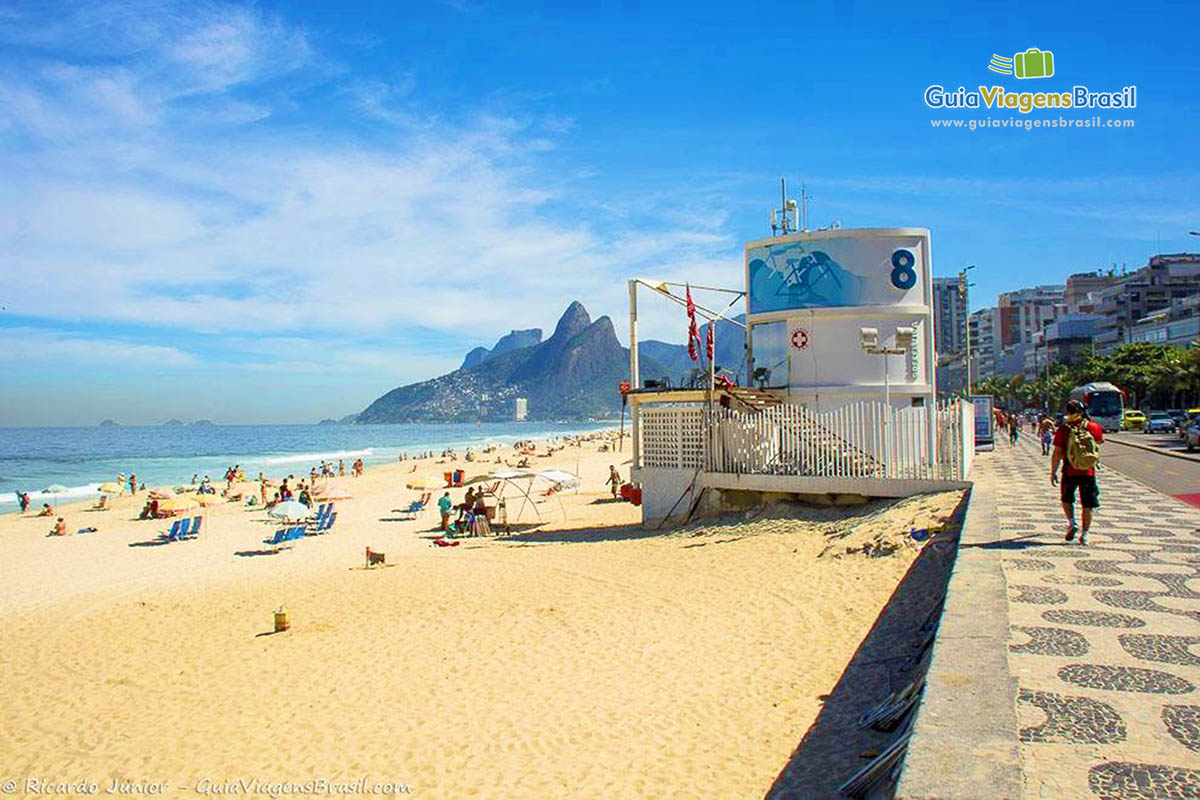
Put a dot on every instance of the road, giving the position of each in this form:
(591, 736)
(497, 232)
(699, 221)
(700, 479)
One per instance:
(1174, 476)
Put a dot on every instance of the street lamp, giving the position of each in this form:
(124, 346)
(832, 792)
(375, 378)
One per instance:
(962, 288)
(868, 340)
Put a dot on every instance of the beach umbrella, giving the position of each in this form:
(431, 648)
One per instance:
(290, 509)
(162, 492)
(111, 488)
(55, 489)
(208, 499)
(176, 505)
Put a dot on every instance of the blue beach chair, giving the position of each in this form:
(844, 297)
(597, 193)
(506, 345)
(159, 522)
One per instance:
(195, 531)
(285, 535)
(324, 524)
(173, 534)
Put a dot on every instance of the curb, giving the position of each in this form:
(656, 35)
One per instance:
(1159, 450)
(964, 736)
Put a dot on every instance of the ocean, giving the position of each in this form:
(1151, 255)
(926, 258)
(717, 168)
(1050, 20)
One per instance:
(83, 458)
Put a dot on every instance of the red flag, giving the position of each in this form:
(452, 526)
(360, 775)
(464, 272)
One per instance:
(709, 346)
(693, 332)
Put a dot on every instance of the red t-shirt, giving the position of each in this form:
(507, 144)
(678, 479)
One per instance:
(1060, 440)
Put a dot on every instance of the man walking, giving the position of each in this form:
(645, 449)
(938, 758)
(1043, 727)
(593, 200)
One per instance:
(444, 506)
(1045, 430)
(1077, 446)
(614, 481)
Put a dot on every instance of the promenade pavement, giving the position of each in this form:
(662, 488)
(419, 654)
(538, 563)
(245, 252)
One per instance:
(1105, 637)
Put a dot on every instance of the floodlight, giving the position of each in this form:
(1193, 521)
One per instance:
(905, 337)
(868, 338)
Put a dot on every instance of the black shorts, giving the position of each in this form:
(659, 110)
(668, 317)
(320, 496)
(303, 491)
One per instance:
(1089, 490)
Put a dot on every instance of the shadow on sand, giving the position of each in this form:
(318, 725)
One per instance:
(833, 747)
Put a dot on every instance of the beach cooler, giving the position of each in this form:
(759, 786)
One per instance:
(626, 492)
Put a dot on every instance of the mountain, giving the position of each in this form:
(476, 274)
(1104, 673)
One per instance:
(204, 423)
(513, 340)
(676, 364)
(574, 374)
(108, 423)
(174, 423)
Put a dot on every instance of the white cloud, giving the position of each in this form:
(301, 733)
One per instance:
(26, 346)
(143, 201)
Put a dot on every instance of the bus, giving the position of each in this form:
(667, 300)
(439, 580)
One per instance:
(1105, 404)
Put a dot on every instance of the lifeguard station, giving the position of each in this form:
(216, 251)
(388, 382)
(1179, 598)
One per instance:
(840, 355)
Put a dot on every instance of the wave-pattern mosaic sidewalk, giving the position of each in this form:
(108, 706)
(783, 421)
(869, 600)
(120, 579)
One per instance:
(1105, 639)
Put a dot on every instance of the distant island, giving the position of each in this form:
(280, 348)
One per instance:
(204, 423)
(173, 423)
(108, 423)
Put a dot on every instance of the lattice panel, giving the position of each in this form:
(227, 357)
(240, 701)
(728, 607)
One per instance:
(691, 438)
(672, 438)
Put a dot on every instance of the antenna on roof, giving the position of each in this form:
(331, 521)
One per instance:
(785, 219)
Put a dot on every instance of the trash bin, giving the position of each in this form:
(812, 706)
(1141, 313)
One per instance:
(449, 479)
(635, 495)
(459, 477)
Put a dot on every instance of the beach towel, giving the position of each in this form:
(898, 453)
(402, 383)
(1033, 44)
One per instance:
(444, 543)
(86, 530)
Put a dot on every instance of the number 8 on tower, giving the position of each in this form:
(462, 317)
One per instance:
(903, 274)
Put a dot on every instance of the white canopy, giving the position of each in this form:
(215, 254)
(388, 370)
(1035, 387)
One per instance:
(558, 478)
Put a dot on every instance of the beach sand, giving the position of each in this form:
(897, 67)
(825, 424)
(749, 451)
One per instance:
(586, 658)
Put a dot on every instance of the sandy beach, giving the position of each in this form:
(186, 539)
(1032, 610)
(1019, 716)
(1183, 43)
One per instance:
(586, 657)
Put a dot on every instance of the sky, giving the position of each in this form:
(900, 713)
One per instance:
(276, 212)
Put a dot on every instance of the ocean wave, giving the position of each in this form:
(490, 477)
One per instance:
(37, 496)
(315, 458)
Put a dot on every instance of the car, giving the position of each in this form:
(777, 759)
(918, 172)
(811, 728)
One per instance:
(1189, 418)
(1159, 422)
(1133, 420)
(1192, 436)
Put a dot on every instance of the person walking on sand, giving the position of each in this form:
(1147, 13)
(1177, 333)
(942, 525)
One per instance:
(132, 483)
(444, 506)
(1014, 430)
(23, 499)
(1077, 445)
(614, 480)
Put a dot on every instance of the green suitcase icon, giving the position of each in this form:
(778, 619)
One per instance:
(1033, 63)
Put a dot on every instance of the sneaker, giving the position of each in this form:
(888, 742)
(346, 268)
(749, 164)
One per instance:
(1071, 529)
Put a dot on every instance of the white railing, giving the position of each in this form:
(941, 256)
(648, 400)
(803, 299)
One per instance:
(858, 440)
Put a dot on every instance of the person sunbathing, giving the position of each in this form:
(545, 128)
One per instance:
(60, 528)
(46, 511)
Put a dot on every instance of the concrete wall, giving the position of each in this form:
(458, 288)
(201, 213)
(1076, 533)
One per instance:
(661, 489)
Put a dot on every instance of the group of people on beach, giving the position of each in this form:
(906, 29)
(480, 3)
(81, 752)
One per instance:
(472, 513)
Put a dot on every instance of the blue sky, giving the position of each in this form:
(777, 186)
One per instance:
(275, 212)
